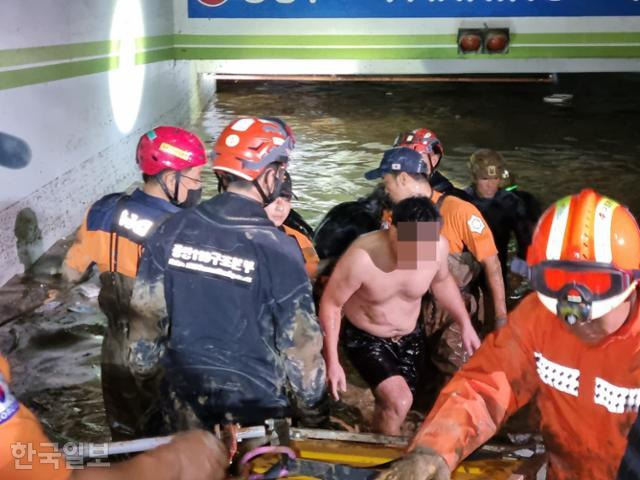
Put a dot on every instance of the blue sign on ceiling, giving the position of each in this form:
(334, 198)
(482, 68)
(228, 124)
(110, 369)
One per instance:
(409, 8)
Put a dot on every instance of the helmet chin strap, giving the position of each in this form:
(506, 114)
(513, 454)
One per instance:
(222, 183)
(172, 198)
(268, 199)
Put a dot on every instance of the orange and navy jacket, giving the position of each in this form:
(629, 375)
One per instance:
(25, 450)
(462, 225)
(311, 258)
(588, 395)
(114, 230)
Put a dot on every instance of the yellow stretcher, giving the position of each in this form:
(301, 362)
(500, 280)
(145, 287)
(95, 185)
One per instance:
(371, 455)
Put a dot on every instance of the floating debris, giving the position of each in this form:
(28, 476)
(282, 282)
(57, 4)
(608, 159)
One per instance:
(558, 98)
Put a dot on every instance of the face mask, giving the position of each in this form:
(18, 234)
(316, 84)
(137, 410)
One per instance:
(193, 198)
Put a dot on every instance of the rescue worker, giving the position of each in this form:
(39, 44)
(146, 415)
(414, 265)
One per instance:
(111, 237)
(573, 345)
(27, 454)
(504, 211)
(222, 302)
(532, 207)
(471, 249)
(425, 142)
(278, 212)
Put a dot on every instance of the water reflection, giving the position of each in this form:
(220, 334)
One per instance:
(343, 128)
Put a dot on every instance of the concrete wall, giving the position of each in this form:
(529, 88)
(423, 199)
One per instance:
(67, 88)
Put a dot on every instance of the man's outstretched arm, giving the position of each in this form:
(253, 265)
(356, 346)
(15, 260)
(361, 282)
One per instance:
(493, 273)
(345, 280)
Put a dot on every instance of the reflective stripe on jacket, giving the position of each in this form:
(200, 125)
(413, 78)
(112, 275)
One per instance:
(588, 396)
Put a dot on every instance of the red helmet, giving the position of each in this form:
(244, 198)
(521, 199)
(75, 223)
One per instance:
(169, 148)
(585, 253)
(248, 145)
(422, 140)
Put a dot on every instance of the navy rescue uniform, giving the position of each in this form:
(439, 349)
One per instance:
(111, 237)
(505, 213)
(222, 305)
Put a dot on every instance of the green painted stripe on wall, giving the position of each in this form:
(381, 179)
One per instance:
(60, 71)
(205, 53)
(364, 40)
(224, 47)
(49, 73)
(26, 56)
(319, 40)
(73, 51)
(158, 41)
(155, 56)
(585, 37)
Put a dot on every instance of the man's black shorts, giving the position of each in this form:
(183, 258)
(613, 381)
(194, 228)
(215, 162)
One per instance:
(377, 359)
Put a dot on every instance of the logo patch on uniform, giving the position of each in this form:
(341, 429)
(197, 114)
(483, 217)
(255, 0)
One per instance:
(492, 171)
(132, 222)
(396, 166)
(8, 403)
(476, 225)
(212, 262)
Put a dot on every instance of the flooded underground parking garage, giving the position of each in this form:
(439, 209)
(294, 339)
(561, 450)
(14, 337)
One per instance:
(559, 103)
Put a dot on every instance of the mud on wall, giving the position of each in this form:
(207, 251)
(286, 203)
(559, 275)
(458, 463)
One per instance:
(79, 83)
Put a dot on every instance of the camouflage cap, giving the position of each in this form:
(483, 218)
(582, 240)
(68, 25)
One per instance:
(486, 163)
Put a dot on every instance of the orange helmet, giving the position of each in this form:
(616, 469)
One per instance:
(584, 258)
(248, 145)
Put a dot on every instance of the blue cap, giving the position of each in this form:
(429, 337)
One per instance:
(398, 159)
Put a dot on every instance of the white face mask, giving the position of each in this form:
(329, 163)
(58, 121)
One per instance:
(599, 308)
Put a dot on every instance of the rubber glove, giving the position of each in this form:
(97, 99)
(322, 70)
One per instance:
(420, 464)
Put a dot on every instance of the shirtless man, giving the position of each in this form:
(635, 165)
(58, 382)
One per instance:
(378, 284)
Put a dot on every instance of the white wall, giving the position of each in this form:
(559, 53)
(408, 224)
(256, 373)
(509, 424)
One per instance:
(79, 152)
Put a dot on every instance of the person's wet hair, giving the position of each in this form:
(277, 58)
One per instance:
(415, 209)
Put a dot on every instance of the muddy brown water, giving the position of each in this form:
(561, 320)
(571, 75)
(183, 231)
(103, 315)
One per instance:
(342, 130)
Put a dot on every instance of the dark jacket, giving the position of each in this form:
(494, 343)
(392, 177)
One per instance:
(223, 303)
(505, 213)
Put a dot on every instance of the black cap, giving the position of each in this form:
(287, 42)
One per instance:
(286, 190)
(399, 159)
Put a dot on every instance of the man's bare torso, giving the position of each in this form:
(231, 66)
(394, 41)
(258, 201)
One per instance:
(388, 302)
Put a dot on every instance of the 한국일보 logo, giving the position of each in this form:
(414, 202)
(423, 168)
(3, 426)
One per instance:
(8, 403)
(212, 3)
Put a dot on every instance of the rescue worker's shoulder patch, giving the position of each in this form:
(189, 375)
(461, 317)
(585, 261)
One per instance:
(8, 403)
(476, 225)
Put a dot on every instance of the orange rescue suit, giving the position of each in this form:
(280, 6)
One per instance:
(588, 395)
(20, 427)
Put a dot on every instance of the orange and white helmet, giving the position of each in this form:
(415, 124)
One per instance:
(249, 145)
(584, 258)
